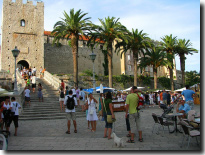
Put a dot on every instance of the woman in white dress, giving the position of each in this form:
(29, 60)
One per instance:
(92, 116)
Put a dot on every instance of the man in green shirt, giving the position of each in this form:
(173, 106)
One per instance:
(134, 118)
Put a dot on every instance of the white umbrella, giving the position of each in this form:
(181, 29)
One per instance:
(128, 89)
(180, 89)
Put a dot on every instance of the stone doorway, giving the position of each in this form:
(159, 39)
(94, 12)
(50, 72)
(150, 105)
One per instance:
(21, 64)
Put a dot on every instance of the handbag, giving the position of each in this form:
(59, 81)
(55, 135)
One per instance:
(109, 117)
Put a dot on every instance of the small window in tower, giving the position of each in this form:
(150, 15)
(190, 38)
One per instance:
(23, 22)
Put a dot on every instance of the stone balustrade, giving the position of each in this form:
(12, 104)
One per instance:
(52, 80)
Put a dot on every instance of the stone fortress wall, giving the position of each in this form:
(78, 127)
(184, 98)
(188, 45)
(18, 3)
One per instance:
(59, 60)
(22, 26)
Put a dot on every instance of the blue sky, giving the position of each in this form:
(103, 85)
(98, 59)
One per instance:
(157, 18)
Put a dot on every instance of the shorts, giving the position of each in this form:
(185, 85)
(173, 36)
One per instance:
(61, 99)
(164, 102)
(191, 104)
(135, 121)
(81, 102)
(15, 119)
(27, 99)
(70, 115)
(33, 85)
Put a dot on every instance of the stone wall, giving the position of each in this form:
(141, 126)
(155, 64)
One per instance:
(59, 60)
(28, 37)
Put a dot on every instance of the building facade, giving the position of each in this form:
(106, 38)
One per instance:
(22, 26)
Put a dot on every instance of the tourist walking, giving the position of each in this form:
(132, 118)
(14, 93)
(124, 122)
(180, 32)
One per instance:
(66, 90)
(62, 85)
(70, 102)
(146, 96)
(101, 98)
(33, 81)
(107, 109)
(81, 98)
(134, 116)
(15, 113)
(40, 93)
(27, 96)
(188, 95)
(151, 98)
(61, 99)
(34, 71)
(164, 95)
(7, 106)
(168, 99)
(92, 116)
(77, 95)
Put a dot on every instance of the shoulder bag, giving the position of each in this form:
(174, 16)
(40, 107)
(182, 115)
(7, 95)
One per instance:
(109, 117)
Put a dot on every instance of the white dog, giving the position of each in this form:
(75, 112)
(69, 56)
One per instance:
(117, 141)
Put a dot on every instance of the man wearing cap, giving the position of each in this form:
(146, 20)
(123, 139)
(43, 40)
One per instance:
(134, 118)
(184, 108)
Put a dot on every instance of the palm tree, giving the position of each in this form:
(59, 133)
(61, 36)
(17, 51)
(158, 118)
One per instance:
(109, 30)
(169, 45)
(72, 27)
(155, 57)
(137, 42)
(183, 47)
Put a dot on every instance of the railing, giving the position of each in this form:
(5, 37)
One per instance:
(52, 80)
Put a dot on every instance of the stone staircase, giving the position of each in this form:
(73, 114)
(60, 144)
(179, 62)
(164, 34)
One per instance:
(49, 109)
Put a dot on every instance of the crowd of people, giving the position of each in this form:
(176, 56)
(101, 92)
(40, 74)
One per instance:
(133, 103)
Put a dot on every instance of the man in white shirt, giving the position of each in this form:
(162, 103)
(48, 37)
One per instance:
(15, 113)
(27, 96)
(70, 102)
(34, 71)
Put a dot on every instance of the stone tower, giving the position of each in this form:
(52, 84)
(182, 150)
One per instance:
(22, 26)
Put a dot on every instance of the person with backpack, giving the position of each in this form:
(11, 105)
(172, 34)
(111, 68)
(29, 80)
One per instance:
(70, 102)
(15, 113)
(61, 99)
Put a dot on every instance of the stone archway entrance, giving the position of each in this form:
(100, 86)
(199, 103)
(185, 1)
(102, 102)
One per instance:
(21, 64)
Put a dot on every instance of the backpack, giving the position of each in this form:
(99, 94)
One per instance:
(62, 95)
(70, 103)
(140, 102)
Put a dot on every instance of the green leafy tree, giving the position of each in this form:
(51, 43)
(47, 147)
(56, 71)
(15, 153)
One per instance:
(136, 41)
(169, 45)
(154, 57)
(109, 30)
(192, 78)
(184, 48)
(72, 26)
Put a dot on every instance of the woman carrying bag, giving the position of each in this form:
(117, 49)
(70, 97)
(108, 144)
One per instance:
(108, 110)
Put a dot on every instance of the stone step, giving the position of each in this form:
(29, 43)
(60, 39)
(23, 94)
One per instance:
(48, 117)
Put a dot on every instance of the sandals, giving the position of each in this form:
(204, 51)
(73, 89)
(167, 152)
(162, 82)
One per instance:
(128, 135)
(75, 131)
(67, 132)
(130, 141)
(105, 137)
(141, 140)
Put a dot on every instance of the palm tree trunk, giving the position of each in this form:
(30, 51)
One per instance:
(109, 56)
(135, 55)
(74, 44)
(171, 78)
(155, 77)
(182, 63)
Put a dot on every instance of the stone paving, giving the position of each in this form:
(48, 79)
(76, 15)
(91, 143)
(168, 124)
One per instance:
(50, 135)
